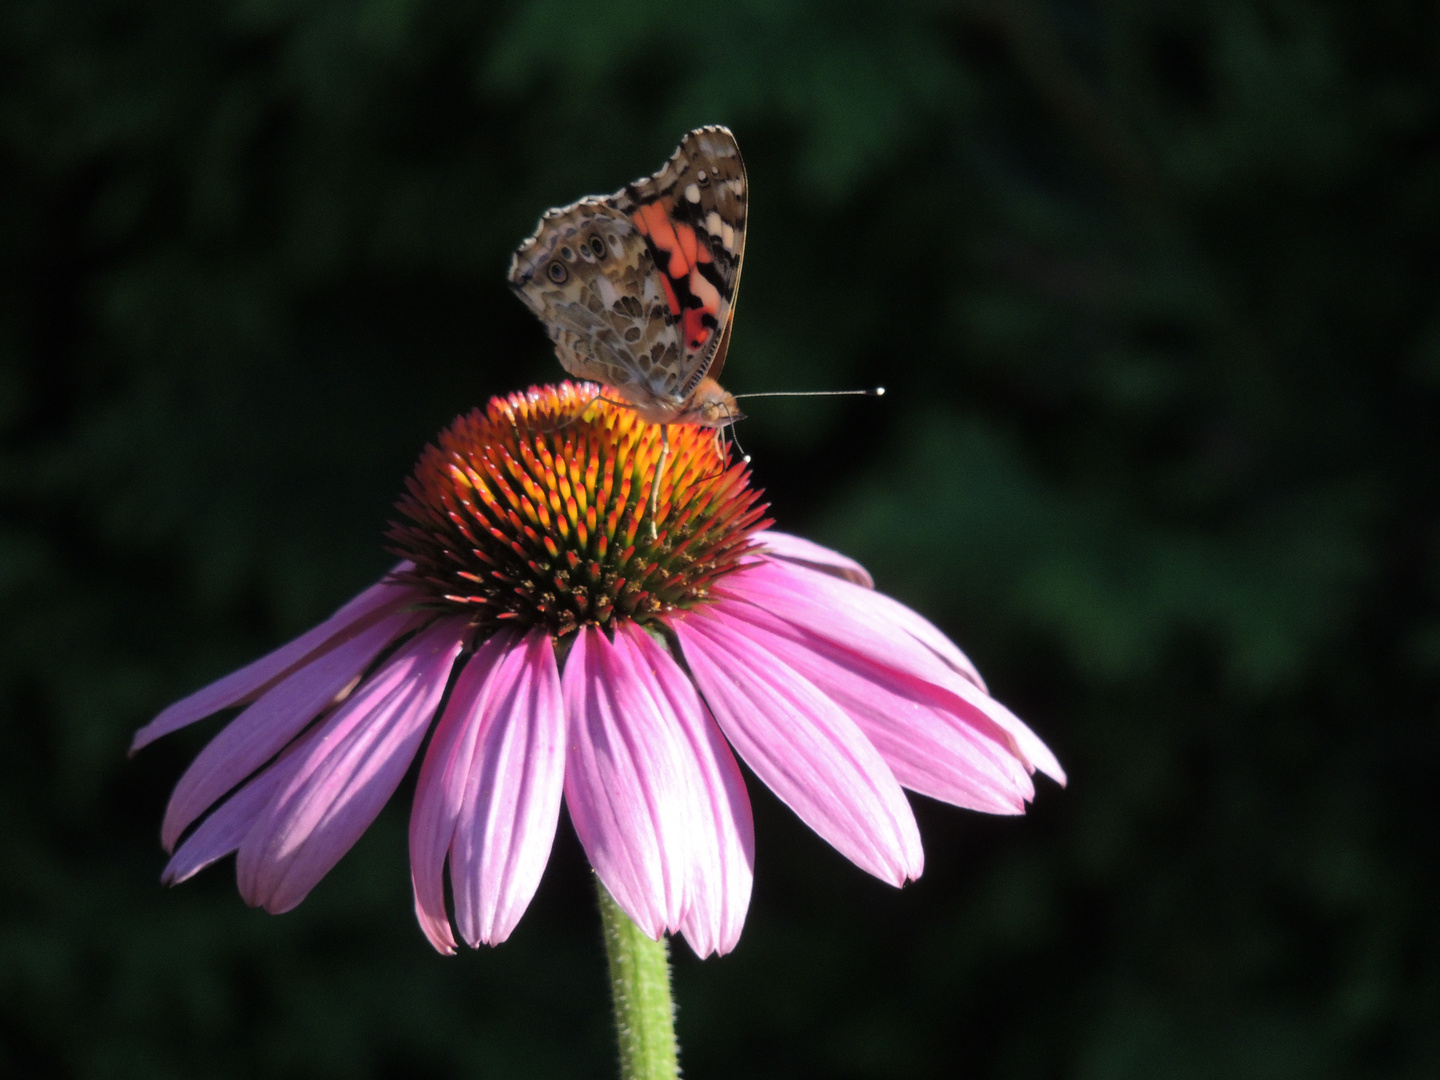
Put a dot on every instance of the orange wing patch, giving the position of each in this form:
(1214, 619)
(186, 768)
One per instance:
(686, 251)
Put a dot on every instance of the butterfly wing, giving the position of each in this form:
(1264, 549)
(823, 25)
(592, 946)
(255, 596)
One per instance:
(637, 289)
(589, 275)
(693, 213)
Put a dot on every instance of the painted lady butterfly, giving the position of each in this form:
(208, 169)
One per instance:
(637, 289)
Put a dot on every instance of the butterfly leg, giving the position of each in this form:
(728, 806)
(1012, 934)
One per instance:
(573, 417)
(659, 472)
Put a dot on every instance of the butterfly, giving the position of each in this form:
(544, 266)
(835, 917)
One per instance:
(637, 289)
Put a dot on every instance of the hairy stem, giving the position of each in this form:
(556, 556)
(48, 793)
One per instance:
(640, 986)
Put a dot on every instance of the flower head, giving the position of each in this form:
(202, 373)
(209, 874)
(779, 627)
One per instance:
(530, 514)
(589, 662)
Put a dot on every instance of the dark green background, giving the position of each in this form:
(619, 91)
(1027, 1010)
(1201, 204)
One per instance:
(1153, 287)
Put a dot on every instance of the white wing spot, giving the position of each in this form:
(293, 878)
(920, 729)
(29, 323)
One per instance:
(713, 225)
(728, 238)
(708, 294)
(738, 186)
(692, 193)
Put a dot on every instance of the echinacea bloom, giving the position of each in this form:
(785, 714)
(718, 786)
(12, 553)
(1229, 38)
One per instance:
(597, 664)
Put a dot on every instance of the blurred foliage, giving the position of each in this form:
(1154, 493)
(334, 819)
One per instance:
(1153, 287)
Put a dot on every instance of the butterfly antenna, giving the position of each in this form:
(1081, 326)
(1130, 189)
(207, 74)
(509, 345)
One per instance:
(735, 438)
(874, 391)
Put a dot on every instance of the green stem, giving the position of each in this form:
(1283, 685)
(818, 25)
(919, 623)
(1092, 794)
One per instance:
(640, 986)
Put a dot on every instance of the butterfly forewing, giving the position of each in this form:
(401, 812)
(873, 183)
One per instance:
(637, 289)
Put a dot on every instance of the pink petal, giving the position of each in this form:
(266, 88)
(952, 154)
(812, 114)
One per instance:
(259, 733)
(809, 554)
(722, 842)
(883, 629)
(864, 624)
(440, 790)
(629, 779)
(1032, 751)
(932, 742)
(222, 832)
(249, 681)
(802, 745)
(833, 607)
(490, 791)
(357, 758)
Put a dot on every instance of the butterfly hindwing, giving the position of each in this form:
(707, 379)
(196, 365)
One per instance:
(589, 276)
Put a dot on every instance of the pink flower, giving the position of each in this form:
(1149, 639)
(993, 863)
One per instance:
(593, 664)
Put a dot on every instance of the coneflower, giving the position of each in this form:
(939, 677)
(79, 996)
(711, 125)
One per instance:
(588, 661)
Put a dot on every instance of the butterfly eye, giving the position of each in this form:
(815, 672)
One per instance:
(558, 273)
(597, 245)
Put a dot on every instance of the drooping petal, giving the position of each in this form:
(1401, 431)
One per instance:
(440, 790)
(221, 832)
(887, 632)
(931, 740)
(871, 628)
(802, 745)
(352, 767)
(722, 848)
(511, 799)
(254, 678)
(1036, 755)
(262, 730)
(807, 553)
(628, 783)
(829, 604)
